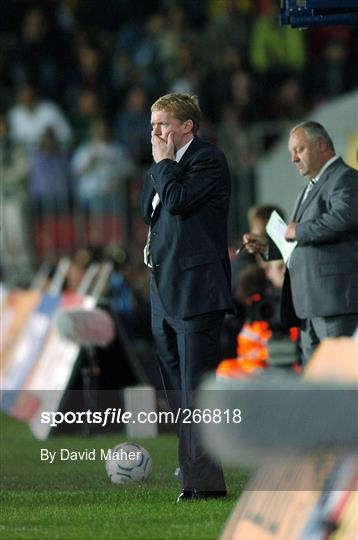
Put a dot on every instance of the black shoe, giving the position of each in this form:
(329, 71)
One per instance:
(195, 495)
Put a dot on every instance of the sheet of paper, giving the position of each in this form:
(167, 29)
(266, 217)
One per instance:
(276, 228)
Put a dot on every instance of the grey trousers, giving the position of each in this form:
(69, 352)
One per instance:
(318, 328)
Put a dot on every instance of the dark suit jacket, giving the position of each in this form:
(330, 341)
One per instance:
(323, 268)
(189, 248)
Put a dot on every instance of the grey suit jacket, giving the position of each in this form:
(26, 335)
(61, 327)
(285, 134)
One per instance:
(323, 268)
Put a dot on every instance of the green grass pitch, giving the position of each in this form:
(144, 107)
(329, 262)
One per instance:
(76, 500)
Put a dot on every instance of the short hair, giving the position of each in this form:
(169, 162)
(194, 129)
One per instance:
(181, 106)
(263, 212)
(314, 130)
(251, 280)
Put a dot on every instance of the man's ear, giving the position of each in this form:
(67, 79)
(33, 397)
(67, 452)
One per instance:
(188, 126)
(322, 144)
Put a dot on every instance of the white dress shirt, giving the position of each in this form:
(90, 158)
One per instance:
(314, 180)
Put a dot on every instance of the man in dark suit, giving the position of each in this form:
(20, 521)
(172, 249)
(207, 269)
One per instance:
(321, 283)
(185, 202)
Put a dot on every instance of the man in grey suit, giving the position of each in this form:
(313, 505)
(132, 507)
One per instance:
(320, 291)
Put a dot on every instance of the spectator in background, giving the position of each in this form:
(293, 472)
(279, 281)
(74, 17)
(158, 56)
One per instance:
(48, 179)
(176, 31)
(231, 61)
(331, 73)
(188, 71)
(275, 52)
(245, 265)
(275, 273)
(148, 59)
(287, 102)
(86, 108)
(257, 217)
(123, 73)
(132, 126)
(332, 68)
(242, 95)
(35, 52)
(13, 161)
(251, 283)
(261, 340)
(6, 71)
(127, 39)
(80, 262)
(274, 48)
(229, 28)
(99, 165)
(90, 71)
(121, 294)
(30, 116)
(89, 65)
(14, 169)
(234, 139)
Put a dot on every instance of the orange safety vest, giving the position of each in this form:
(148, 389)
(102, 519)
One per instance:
(252, 351)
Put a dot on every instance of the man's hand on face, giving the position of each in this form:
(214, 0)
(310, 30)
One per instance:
(162, 149)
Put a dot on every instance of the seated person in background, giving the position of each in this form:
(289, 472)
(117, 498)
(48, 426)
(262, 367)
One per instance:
(100, 166)
(275, 272)
(257, 217)
(31, 115)
(262, 341)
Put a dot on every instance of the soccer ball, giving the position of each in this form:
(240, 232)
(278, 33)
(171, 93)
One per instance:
(128, 463)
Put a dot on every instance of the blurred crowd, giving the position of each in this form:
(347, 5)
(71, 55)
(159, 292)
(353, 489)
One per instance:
(85, 59)
(77, 78)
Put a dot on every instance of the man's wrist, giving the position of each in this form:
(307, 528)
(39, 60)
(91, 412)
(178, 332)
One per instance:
(164, 159)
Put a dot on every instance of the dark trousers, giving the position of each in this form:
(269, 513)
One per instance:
(187, 349)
